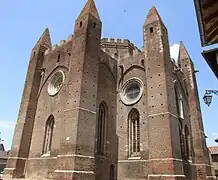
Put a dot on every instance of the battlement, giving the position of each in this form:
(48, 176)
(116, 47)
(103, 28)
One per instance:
(114, 46)
(113, 40)
(119, 43)
(57, 46)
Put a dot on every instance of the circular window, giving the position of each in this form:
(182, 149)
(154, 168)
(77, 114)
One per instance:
(132, 91)
(56, 83)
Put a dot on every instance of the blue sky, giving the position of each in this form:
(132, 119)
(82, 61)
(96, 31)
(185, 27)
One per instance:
(22, 23)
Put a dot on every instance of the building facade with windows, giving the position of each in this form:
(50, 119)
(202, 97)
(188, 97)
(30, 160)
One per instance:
(214, 158)
(95, 108)
(3, 157)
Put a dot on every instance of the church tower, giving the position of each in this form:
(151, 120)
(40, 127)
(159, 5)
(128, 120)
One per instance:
(78, 144)
(55, 131)
(201, 155)
(163, 121)
(26, 117)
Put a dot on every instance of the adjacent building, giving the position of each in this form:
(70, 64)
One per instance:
(3, 157)
(214, 154)
(207, 16)
(98, 108)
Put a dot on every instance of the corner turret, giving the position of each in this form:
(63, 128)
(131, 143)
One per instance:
(89, 8)
(44, 40)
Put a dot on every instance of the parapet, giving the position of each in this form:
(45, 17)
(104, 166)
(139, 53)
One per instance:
(118, 43)
(115, 41)
(57, 46)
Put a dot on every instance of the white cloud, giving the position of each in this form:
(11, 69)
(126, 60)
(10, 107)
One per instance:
(174, 51)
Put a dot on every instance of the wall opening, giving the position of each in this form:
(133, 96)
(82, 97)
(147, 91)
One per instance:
(143, 62)
(59, 57)
(151, 30)
(112, 172)
(101, 131)
(49, 126)
(134, 133)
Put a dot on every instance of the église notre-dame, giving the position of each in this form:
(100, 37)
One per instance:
(101, 109)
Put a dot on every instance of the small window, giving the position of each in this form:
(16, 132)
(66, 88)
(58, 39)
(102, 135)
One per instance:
(214, 157)
(59, 56)
(151, 30)
(121, 69)
(182, 143)
(94, 25)
(42, 53)
(112, 172)
(187, 140)
(143, 62)
(80, 24)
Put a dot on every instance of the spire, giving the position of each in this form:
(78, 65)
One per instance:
(183, 53)
(45, 39)
(90, 8)
(153, 16)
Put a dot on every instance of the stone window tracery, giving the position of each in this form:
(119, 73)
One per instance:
(101, 134)
(134, 133)
(48, 135)
(179, 102)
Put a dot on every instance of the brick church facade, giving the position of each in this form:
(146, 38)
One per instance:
(102, 109)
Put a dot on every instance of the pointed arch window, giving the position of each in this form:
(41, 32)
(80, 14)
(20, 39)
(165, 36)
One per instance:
(101, 134)
(182, 145)
(179, 101)
(48, 134)
(134, 133)
(187, 143)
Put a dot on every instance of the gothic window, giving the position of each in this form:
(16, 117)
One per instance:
(112, 172)
(134, 133)
(187, 140)
(179, 102)
(182, 143)
(59, 57)
(101, 134)
(48, 134)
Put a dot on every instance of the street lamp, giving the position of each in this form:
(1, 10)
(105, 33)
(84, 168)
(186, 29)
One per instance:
(208, 96)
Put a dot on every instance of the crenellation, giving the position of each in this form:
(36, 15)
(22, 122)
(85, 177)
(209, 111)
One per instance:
(62, 42)
(127, 41)
(54, 47)
(69, 38)
(116, 41)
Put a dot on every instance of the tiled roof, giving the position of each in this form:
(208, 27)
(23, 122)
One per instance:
(213, 149)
